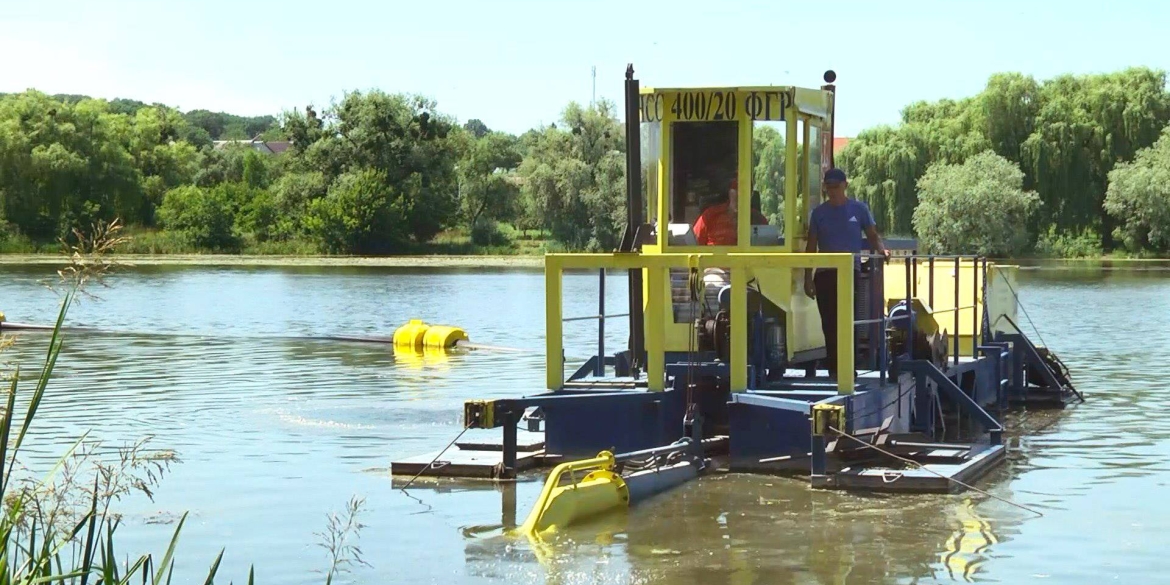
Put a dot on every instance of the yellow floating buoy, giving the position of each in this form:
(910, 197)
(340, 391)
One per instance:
(417, 335)
(443, 337)
(1, 316)
(411, 334)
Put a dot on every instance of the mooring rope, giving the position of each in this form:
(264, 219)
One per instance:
(1020, 303)
(428, 465)
(923, 467)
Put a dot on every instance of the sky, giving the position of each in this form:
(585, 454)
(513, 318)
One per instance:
(516, 64)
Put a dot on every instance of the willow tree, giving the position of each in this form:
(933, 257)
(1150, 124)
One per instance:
(573, 177)
(1009, 104)
(884, 164)
(1085, 125)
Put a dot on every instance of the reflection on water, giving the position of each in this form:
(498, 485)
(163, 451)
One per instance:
(274, 430)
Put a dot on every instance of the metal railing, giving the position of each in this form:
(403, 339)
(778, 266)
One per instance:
(600, 317)
(657, 267)
(911, 261)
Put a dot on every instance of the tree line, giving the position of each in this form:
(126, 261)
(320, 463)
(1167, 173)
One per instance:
(1065, 166)
(1071, 165)
(374, 173)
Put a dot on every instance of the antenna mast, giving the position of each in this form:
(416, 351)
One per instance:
(593, 97)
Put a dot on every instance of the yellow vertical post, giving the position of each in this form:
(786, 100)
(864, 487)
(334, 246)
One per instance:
(807, 195)
(738, 329)
(664, 181)
(790, 184)
(845, 328)
(655, 329)
(743, 227)
(554, 352)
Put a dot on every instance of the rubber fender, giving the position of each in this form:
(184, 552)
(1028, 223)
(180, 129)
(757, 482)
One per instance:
(411, 335)
(443, 337)
(599, 492)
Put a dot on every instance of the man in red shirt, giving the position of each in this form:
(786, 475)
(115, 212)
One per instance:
(716, 226)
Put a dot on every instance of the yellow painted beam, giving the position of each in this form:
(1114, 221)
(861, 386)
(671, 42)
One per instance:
(790, 185)
(554, 351)
(708, 259)
(743, 227)
(656, 331)
(845, 330)
(739, 329)
(662, 216)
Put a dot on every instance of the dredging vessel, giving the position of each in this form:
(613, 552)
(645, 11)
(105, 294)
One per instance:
(723, 369)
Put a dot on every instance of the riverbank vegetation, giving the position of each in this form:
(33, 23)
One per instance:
(1071, 160)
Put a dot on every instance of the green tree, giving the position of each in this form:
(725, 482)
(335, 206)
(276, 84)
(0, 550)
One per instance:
(1084, 126)
(205, 217)
(768, 153)
(977, 207)
(476, 127)
(1138, 198)
(573, 181)
(362, 214)
(64, 165)
(401, 138)
(1010, 103)
(488, 187)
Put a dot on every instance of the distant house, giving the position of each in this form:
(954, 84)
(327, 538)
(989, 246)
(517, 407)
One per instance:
(839, 143)
(266, 147)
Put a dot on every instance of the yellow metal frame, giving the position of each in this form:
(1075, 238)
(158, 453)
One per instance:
(656, 267)
(796, 103)
(744, 106)
(666, 107)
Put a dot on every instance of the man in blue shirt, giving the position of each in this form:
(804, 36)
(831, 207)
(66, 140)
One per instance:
(837, 225)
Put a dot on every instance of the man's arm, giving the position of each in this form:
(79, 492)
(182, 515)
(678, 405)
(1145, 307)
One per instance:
(875, 241)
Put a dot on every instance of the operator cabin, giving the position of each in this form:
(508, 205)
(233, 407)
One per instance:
(704, 203)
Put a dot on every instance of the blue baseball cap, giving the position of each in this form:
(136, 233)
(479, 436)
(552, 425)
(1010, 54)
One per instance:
(835, 176)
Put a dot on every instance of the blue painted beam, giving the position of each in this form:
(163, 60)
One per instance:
(948, 387)
(802, 406)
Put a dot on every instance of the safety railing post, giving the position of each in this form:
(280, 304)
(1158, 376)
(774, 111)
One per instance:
(882, 352)
(985, 334)
(930, 286)
(975, 307)
(958, 266)
(914, 278)
(599, 369)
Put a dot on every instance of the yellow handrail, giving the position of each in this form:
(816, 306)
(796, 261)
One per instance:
(656, 266)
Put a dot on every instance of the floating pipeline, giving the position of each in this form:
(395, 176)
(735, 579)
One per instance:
(416, 336)
(604, 490)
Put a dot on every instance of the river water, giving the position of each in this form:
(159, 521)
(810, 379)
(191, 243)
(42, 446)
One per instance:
(273, 432)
